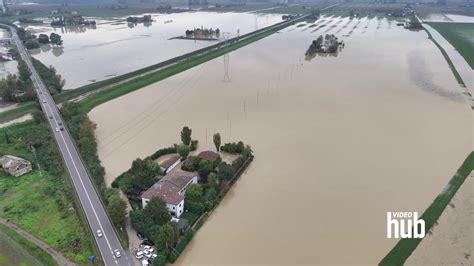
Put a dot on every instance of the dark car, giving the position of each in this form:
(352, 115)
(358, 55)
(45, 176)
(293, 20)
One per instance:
(148, 242)
(140, 236)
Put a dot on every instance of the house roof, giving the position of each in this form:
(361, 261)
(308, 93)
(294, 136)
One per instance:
(180, 178)
(13, 162)
(166, 164)
(209, 155)
(165, 190)
(169, 186)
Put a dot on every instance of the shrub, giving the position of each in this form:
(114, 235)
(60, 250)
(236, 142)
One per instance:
(162, 152)
(194, 207)
(31, 44)
(238, 162)
(233, 147)
(188, 235)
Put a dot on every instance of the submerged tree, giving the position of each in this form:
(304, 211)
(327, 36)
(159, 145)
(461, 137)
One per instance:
(217, 141)
(186, 135)
(183, 151)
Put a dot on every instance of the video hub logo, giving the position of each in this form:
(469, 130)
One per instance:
(405, 225)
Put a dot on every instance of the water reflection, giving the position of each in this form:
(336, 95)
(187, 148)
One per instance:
(424, 78)
(115, 47)
(76, 29)
(330, 135)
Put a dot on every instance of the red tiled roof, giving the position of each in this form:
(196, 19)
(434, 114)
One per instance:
(169, 186)
(209, 155)
(165, 190)
(166, 164)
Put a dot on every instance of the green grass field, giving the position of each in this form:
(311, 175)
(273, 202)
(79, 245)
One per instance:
(16, 250)
(39, 203)
(17, 112)
(460, 35)
(403, 249)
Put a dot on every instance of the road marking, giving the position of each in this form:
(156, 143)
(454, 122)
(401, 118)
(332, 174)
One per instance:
(47, 105)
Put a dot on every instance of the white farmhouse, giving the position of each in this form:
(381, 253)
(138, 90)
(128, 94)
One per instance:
(171, 188)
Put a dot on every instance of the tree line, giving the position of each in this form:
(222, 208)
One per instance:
(19, 87)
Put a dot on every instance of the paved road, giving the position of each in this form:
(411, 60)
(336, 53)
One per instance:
(91, 204)
(58, 257)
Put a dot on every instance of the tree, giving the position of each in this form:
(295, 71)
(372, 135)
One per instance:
(58, 82)
(205, 168)
(7, 138)
(225, 171)
(117, 209)
(23, 70)
(31, 44)
(246, 152)
(183, 151)
(169, 232)
(194, 193)
(210, 197)
(212, 180)
(186, 135)
(160, 243)
(156, 212)
(217, 140)
(43, 38)
(55, 39)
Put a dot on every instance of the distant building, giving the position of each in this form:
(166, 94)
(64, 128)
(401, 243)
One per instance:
(170, 164)
(15, 166)
(209, 155)
(172, 189)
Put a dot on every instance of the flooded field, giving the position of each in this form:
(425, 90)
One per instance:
(339, 140)
(450, 242)
(6, 67)
(114, 47)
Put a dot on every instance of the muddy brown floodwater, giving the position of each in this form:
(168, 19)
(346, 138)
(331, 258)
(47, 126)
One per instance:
(339, 141)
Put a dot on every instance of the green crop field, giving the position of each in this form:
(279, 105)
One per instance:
(38, 201)
(460, 35)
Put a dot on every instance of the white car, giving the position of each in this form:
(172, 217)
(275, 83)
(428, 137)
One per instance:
(99, 233)
(117, 253)
(44, 101)
(57, 129)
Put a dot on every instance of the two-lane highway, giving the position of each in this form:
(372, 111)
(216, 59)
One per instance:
(96, 215)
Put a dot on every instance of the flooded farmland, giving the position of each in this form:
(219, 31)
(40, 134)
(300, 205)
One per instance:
(6, 67)
(339, 140)
(115, 47)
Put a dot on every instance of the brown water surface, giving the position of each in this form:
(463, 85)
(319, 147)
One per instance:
(339, 141)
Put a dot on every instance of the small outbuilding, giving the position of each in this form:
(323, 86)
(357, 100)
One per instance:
(15, 166)
(170, 163)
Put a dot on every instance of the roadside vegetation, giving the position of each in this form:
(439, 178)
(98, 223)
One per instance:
(82, 132)
(403, 249)
(19, 88)
(460, 35)
(13, 246)
(41, 202)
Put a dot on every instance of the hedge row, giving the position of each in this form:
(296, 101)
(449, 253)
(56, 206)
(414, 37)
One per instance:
(181, 245)
(162, 152)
